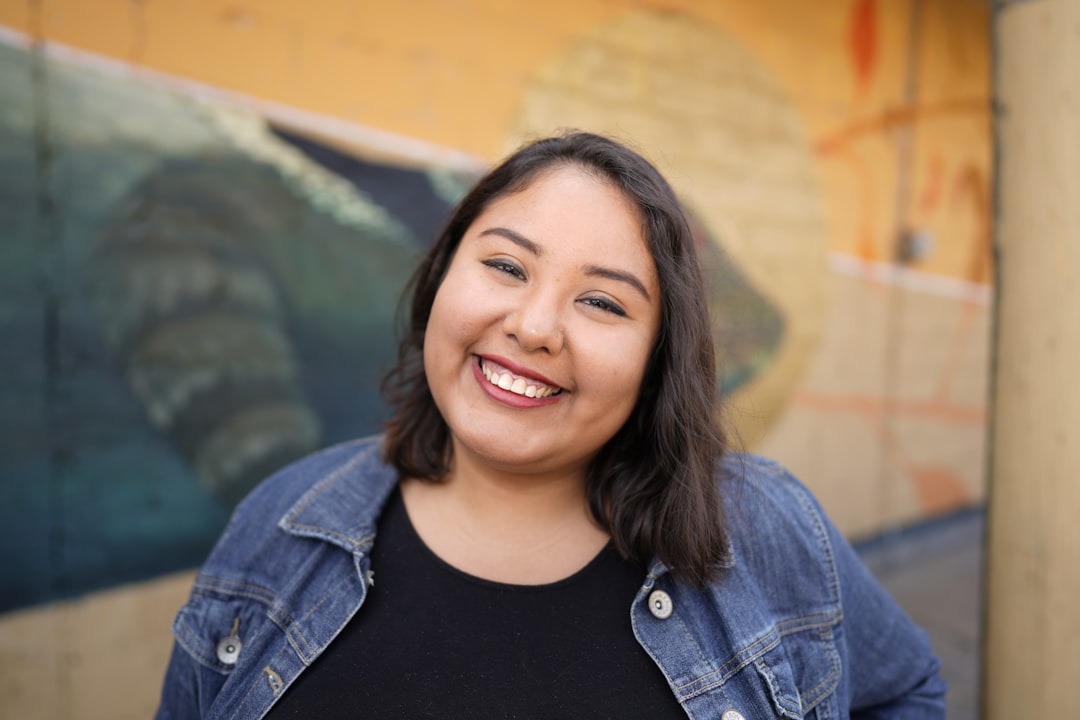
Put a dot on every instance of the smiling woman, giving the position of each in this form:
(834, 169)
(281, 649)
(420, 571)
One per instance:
(525, 304)
(581, 235)
(556, 526)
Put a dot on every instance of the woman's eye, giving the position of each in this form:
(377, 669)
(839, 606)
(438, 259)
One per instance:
(506, 267)
(605, 305)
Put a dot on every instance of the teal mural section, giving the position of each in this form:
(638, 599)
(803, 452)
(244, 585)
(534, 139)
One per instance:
(188, 302)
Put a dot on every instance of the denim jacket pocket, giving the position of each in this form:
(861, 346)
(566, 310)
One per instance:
(801, 673)
(217, 628)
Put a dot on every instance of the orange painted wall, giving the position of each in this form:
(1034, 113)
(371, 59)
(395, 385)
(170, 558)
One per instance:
(453, 74)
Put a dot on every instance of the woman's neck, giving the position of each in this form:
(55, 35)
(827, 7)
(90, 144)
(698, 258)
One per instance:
(509, 527)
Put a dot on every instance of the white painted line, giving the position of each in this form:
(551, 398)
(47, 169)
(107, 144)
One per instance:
(403, 146)
(917, 280)
(15, 38)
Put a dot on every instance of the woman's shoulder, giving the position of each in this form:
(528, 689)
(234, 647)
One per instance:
(803, 573)
(778, 530)
(348, 461)
(334, 495)
(289, 545)
(766, 490)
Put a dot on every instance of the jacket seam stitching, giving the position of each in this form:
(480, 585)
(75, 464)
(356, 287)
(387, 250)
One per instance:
(293, 631)
(752, 652)
(819, 691)
(802, 497)
(354, 545)
(222, 585)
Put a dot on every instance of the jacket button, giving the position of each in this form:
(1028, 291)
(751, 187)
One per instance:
(228, 650)
(732, 715)
(660, 606)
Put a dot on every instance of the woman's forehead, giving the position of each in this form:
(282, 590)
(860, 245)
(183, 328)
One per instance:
(570, 211)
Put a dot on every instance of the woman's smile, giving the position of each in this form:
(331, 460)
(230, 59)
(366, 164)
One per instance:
(522, 383)
(541, 330)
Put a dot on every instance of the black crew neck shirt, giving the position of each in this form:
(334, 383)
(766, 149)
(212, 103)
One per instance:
(432, 641)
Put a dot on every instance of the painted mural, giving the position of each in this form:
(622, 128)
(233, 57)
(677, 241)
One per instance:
(207, 211)
(181, 318)
(194, 298)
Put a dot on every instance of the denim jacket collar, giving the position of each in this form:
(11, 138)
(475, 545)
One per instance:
(343, 508)
(328, 511)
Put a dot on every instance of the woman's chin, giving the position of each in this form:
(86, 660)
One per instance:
(514, 454)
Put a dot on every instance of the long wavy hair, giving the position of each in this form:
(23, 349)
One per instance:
(653, 486)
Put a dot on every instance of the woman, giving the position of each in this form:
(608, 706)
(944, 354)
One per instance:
(553, 524)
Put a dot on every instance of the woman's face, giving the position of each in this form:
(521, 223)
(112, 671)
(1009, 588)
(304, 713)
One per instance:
(541, 330)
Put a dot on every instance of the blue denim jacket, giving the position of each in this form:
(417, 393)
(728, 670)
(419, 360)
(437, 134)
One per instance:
(795, 628)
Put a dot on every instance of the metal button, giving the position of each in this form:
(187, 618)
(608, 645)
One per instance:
(660, 606)
(732, 715)
(228, 650)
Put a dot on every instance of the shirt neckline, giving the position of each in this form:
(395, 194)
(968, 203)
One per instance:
(396, 504)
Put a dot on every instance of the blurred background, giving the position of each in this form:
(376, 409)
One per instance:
(209, 208)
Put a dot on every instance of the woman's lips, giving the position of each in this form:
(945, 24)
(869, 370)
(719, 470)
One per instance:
(511, 384)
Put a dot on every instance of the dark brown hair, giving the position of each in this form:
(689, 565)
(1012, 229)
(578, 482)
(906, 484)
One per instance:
(653, 486)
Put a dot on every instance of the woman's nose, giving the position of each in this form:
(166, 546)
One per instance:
(536, 324)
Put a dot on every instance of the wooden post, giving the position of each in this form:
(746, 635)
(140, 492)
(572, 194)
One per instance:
(1032, 615)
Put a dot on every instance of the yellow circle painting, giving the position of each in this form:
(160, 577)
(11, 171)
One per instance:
(715, 121)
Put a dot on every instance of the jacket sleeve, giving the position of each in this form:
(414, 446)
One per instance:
(178, 692)
(893, 672)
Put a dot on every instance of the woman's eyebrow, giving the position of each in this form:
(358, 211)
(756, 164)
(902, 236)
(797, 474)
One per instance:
(516, 238)
(620, 275)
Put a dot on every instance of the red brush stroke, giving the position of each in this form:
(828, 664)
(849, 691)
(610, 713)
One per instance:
(937, 488)
(940, 489)
(901, 117)
(935, 180)
(863, 41)
(971, 186)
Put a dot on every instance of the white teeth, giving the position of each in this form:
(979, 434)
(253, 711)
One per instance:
(518, 386)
